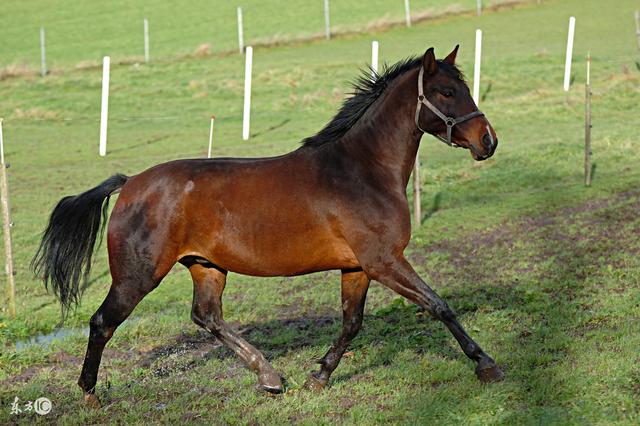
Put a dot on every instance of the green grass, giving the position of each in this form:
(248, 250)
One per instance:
(541, 270)
(83, 32)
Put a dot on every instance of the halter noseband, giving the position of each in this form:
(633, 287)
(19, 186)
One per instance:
(449, 121)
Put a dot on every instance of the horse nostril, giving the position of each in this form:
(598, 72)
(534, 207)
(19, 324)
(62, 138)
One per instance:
(488, 142)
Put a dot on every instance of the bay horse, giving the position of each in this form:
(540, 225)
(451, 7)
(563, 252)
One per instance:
(338, 202)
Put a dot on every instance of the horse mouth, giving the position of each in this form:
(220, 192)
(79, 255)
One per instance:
(481, 156)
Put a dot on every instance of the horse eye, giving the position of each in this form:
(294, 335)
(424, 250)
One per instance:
(447, 93)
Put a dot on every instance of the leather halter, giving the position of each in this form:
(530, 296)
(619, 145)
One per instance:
(449, 121)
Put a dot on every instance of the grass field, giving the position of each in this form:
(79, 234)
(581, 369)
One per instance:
(79, 34)
(541, 270)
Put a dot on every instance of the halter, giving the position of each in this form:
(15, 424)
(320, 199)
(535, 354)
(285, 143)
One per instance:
(449, 121)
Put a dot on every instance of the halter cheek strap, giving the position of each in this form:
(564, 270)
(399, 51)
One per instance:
(448, 121)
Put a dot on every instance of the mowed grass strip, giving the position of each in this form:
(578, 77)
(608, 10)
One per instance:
(541, 270)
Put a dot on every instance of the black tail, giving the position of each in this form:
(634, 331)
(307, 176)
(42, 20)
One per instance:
(63, 259)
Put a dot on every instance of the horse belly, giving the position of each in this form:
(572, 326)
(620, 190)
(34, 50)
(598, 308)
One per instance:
(282, 254)
(264, 244)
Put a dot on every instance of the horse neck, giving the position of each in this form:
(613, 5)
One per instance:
(386, 139)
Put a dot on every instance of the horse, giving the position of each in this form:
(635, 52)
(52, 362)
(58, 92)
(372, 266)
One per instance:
(337, 202)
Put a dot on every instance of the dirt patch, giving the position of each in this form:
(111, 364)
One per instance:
(194, 345)
(65, 359)
(578, 240)
(19, 70)
(25, 376)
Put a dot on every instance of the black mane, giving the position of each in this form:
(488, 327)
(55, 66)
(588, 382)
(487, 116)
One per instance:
(365, 92)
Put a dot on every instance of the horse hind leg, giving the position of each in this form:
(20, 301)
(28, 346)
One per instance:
(354, 286)
(132, 279)
(116, 307)
(208, 285)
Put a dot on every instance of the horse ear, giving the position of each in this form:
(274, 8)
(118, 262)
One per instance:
(429, 62)
(451, 58)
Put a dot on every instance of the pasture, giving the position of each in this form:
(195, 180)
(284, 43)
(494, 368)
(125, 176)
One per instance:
(540, 269)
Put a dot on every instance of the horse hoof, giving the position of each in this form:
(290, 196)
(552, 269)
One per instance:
(92, 401)
(488, 371)
(272, 390)
(314, 383)
(270, 383)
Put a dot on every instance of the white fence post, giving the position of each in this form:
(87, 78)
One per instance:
(567, 63)
(476, 68)
(104, 112)
(247, 93)
(6, 223)
(43, 55)
(638, 27)
(240, 32)
(146, 40)
(407, 13)
(374, 59)
(213, 119)
(327, 22)
(479, 7)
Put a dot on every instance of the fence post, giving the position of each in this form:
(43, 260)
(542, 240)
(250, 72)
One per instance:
(567, 63)
(6, 225)
(638, 27)
(476, 68)
(587, 125)
(146, 40)
(246, 117)
(374, 59)
(407, 13)
(327, 21)
(213, 119)
(104, 111)
(479, 7)
(43, 55)
(417, 206)
(240, 32)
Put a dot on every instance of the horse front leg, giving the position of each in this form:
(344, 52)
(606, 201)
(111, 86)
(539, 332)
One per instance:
(354, 293)
(208, 285)
(400, 276)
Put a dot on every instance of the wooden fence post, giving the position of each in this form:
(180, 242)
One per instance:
(417, 206)
(6, 225)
